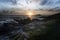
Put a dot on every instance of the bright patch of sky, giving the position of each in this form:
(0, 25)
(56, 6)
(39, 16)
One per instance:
(30, 4)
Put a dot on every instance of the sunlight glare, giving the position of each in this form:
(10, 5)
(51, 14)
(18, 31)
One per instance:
(30, 15)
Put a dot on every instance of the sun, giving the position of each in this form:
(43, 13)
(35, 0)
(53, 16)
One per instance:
(30, 14)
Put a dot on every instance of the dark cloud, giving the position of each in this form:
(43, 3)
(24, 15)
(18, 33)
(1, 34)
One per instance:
(47, 5)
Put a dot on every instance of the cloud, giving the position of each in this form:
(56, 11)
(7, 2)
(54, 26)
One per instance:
(31, 4)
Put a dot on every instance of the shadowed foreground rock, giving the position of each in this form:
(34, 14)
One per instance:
(46, 29)
(50, 30)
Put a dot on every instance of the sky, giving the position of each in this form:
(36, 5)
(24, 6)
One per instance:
(30, 4)
(53, 5)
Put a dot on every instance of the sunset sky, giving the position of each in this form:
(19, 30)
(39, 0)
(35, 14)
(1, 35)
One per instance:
(30, 4)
